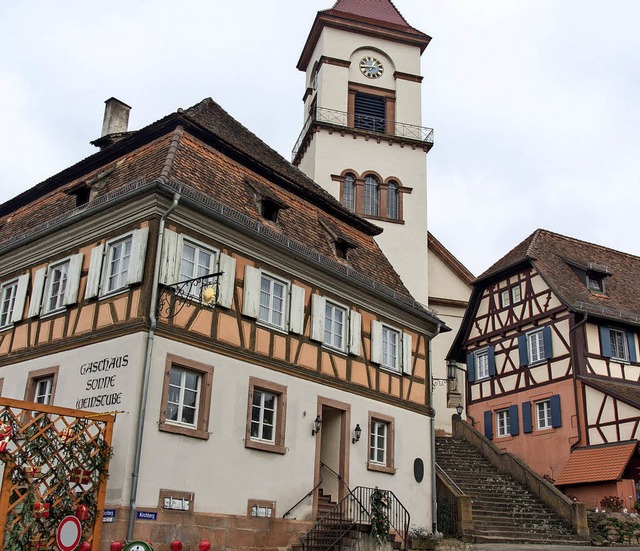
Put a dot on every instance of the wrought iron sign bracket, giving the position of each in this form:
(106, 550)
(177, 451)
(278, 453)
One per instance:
(201, 291)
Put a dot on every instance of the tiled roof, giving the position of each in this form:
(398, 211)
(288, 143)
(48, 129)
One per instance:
(626, 390)
(553, 255)
(381, 10)
(596, 463)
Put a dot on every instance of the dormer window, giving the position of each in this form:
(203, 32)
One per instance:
(341, 248)
(82, 193)
(591, 274)
(595, 283)
(340, 242)
(269, 204)
(269, 210)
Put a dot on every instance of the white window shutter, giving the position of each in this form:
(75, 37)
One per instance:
(251, 294)
(318, 304)
(95, 270)
(227, 281)
(73, 279)
(21, 297)
(376, 342)
(296, 312)
(171, 257)
(355, 333)
(37, 291)
(138, 255)
(407, 344)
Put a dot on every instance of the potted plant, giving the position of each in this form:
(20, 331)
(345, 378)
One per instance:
(421, 538)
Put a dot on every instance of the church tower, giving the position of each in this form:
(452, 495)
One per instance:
(363, 138)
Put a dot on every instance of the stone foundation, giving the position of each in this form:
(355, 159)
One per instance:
(614, 528)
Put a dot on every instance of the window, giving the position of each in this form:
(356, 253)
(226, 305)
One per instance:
(266, 416)
(543, 414)
(390, 345)
(482, 364)
(516, 294)
(505, 298)
(196, 261)
(618, 342)
(186, 397)
(272, 301)
(371, 189)
(56, 286)
(392, 201)
(391, 348)
(8, 292)
(381, 443)
(595, 283)
(511, 295)
(117, 264)
(535, 346)
(349, 192)
(502, 422)
(335, 325)
(41, 386)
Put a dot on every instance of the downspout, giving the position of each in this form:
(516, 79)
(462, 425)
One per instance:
(575, 377)
(434, 502)
(153, 322)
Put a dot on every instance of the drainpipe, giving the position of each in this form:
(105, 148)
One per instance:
(147, 368)
(575, 377)
(434, 502)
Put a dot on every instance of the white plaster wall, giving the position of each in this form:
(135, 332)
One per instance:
(224, 474)
(71, 387)
(443, 282)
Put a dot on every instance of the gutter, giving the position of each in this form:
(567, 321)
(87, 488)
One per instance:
(135, 475)
(434, 497)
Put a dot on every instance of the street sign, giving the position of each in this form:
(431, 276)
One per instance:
(108, 515)
(147, 515)
(68, 533)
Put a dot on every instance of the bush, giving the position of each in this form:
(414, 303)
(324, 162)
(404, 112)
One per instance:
(612, 504)
(636, 506)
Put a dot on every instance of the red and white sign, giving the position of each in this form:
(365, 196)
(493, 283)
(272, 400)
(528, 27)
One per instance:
(69, 533)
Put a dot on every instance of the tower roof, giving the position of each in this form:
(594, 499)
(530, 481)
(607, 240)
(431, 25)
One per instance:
(377, 18)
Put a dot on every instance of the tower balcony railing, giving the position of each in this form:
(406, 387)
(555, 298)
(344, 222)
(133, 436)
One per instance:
(367, 123)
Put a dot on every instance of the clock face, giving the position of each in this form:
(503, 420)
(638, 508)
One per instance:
(371, 67)
(138, 546)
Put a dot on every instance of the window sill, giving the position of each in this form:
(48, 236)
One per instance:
(267, 325)
(543, 432)
(114, 293)
(264, 446)
(184, 431)
(381, 468)
(52, 313)
(330, 348)
(391, 370)
(505, 438)
(536, 364)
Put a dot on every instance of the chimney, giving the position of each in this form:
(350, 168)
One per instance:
(116, 117)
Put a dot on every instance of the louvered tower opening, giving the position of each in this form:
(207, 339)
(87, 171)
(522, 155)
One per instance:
(370, 112)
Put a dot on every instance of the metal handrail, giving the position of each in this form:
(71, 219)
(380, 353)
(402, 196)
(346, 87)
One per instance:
(310, 493)
(354, 510)
(377, 125)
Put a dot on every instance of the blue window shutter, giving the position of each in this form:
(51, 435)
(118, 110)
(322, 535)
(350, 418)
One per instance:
(605, 341)
(492, 361)
(546, 337)
(488, 425)
(471, 367)
(527, 425)
(522, 349)
(514, 425)
(556, 416)
(631, 342)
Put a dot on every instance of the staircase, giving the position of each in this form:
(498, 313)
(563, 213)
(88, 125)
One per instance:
(503, 510)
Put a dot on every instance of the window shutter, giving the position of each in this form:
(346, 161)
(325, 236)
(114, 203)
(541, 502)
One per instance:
(488, 425)
(523, 350)
(318, 304)
(605, 341)
(631, 342)
(21, 297)
(95, 270)
(171, 257)
(355, 333)
(514, 425)
(407, 344)
(556, 414)
(527, 425)
(227, 281)
(296, 313)
(491, 361)
(546, 338)
(37, 291)
(251, 294)
(471, 367)
(376, 342)
(138, 255)
(73, 279)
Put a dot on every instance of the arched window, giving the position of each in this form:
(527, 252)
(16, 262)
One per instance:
(349, 192)
(371, 187)
(392, 200)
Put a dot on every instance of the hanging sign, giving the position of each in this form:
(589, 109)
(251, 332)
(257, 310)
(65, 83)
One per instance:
(69, 533)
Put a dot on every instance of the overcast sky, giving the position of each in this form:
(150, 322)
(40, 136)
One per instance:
(535, 103)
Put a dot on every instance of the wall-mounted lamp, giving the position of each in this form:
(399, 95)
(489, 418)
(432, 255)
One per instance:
(459, 409)
(357, 432)
(317, 425)
(451, 369)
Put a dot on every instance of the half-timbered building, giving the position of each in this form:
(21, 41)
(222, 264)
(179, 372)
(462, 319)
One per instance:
(550, 340)
(245, 327)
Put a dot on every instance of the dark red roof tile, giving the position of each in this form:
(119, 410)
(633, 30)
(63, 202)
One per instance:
(596, 464)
